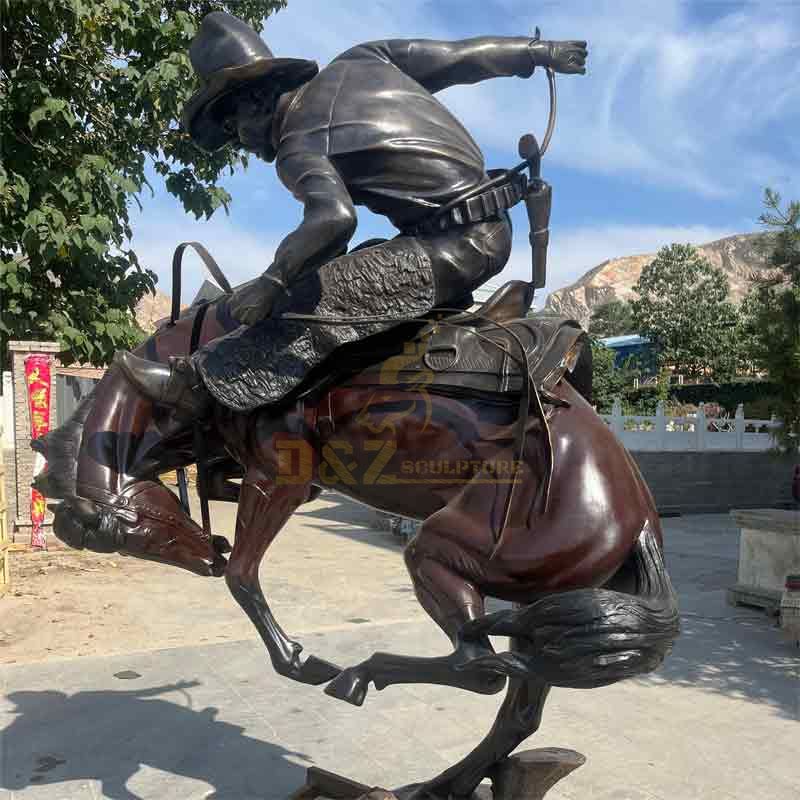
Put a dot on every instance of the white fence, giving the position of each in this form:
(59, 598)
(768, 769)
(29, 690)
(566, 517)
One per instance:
(695, 432)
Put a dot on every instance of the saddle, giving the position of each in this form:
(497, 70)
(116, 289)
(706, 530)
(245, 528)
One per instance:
(494, 349)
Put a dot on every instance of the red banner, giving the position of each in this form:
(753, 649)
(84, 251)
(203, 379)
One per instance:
(37, 377)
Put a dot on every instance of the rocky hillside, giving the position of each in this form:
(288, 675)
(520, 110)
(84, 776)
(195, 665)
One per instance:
(152, 308)
(737, 255)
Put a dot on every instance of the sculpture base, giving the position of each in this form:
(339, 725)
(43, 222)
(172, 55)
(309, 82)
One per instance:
(525, 776)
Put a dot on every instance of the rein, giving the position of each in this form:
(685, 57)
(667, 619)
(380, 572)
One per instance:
(199, 439)
(530, 391)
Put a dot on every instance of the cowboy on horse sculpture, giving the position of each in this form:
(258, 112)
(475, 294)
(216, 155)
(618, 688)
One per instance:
(366, 130)
(528, 496)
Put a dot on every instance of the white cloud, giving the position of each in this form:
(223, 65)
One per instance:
(240, 254)
(664, 98)
(667, 99)
(243, 255)
(704, 106)
(321, 31)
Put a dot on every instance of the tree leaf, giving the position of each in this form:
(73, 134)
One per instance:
(100, 109)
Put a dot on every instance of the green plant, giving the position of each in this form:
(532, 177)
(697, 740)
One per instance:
(682, 306)
(91, 94)
(613, 318)
(608, 380)
(772, 312)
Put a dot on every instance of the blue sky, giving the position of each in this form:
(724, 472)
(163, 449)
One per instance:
(687, 111)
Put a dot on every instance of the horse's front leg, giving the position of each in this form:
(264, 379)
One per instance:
(436, 566)
(264, 508)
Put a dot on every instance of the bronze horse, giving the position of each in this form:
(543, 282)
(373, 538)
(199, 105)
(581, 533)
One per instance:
(577, 550)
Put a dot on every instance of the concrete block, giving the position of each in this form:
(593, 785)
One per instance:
(769, 550)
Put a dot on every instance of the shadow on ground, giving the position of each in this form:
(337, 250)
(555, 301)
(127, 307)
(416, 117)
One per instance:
(740, 656)
(108, 736)
(359, 519)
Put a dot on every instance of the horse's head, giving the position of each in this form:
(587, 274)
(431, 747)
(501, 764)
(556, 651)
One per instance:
(104, 465)
(146, 520)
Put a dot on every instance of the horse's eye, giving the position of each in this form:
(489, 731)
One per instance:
(229, 126)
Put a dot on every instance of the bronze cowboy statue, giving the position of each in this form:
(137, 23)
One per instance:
(364, 131)
(523, 492)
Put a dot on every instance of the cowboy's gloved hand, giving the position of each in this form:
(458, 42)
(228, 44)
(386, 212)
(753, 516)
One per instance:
(568, 57)
(253, 301)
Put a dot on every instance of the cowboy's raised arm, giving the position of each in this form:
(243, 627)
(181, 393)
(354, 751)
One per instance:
(439, 64)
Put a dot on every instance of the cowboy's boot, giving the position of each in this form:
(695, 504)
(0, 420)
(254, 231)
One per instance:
(177, 385)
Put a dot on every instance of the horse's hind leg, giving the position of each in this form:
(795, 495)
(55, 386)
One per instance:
(518, 718)
(264, 508)
(440, 569)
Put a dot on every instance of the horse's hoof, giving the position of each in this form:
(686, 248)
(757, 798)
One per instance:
(349, 686)
(316, 671)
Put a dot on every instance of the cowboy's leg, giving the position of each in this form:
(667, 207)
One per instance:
(461, 259)
(465, 257)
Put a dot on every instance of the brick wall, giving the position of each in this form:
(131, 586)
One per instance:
(711, 482)
(24, 457)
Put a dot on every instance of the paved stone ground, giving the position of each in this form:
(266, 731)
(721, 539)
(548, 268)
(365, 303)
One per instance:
(719, 721)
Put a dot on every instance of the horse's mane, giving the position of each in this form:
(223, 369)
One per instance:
(61, 448)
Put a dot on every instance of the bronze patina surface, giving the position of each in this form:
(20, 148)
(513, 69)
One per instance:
(479, 424)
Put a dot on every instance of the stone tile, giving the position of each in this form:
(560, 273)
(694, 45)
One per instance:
(213, 719)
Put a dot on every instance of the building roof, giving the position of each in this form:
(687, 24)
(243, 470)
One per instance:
(483, 293)
(629, 340)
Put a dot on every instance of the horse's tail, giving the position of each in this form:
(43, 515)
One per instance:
(586, 638)
(60, 448)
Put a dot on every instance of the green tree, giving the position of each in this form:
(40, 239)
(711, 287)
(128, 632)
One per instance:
(608, 380)
(772, 311)
(613, 318)
(90, 98)
(683, 307)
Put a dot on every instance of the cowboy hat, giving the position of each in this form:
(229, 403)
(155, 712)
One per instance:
(228, 54)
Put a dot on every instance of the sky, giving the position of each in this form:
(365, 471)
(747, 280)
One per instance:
(687, 111)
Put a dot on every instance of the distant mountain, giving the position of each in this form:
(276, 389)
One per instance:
(736, 255)
(151, 309)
